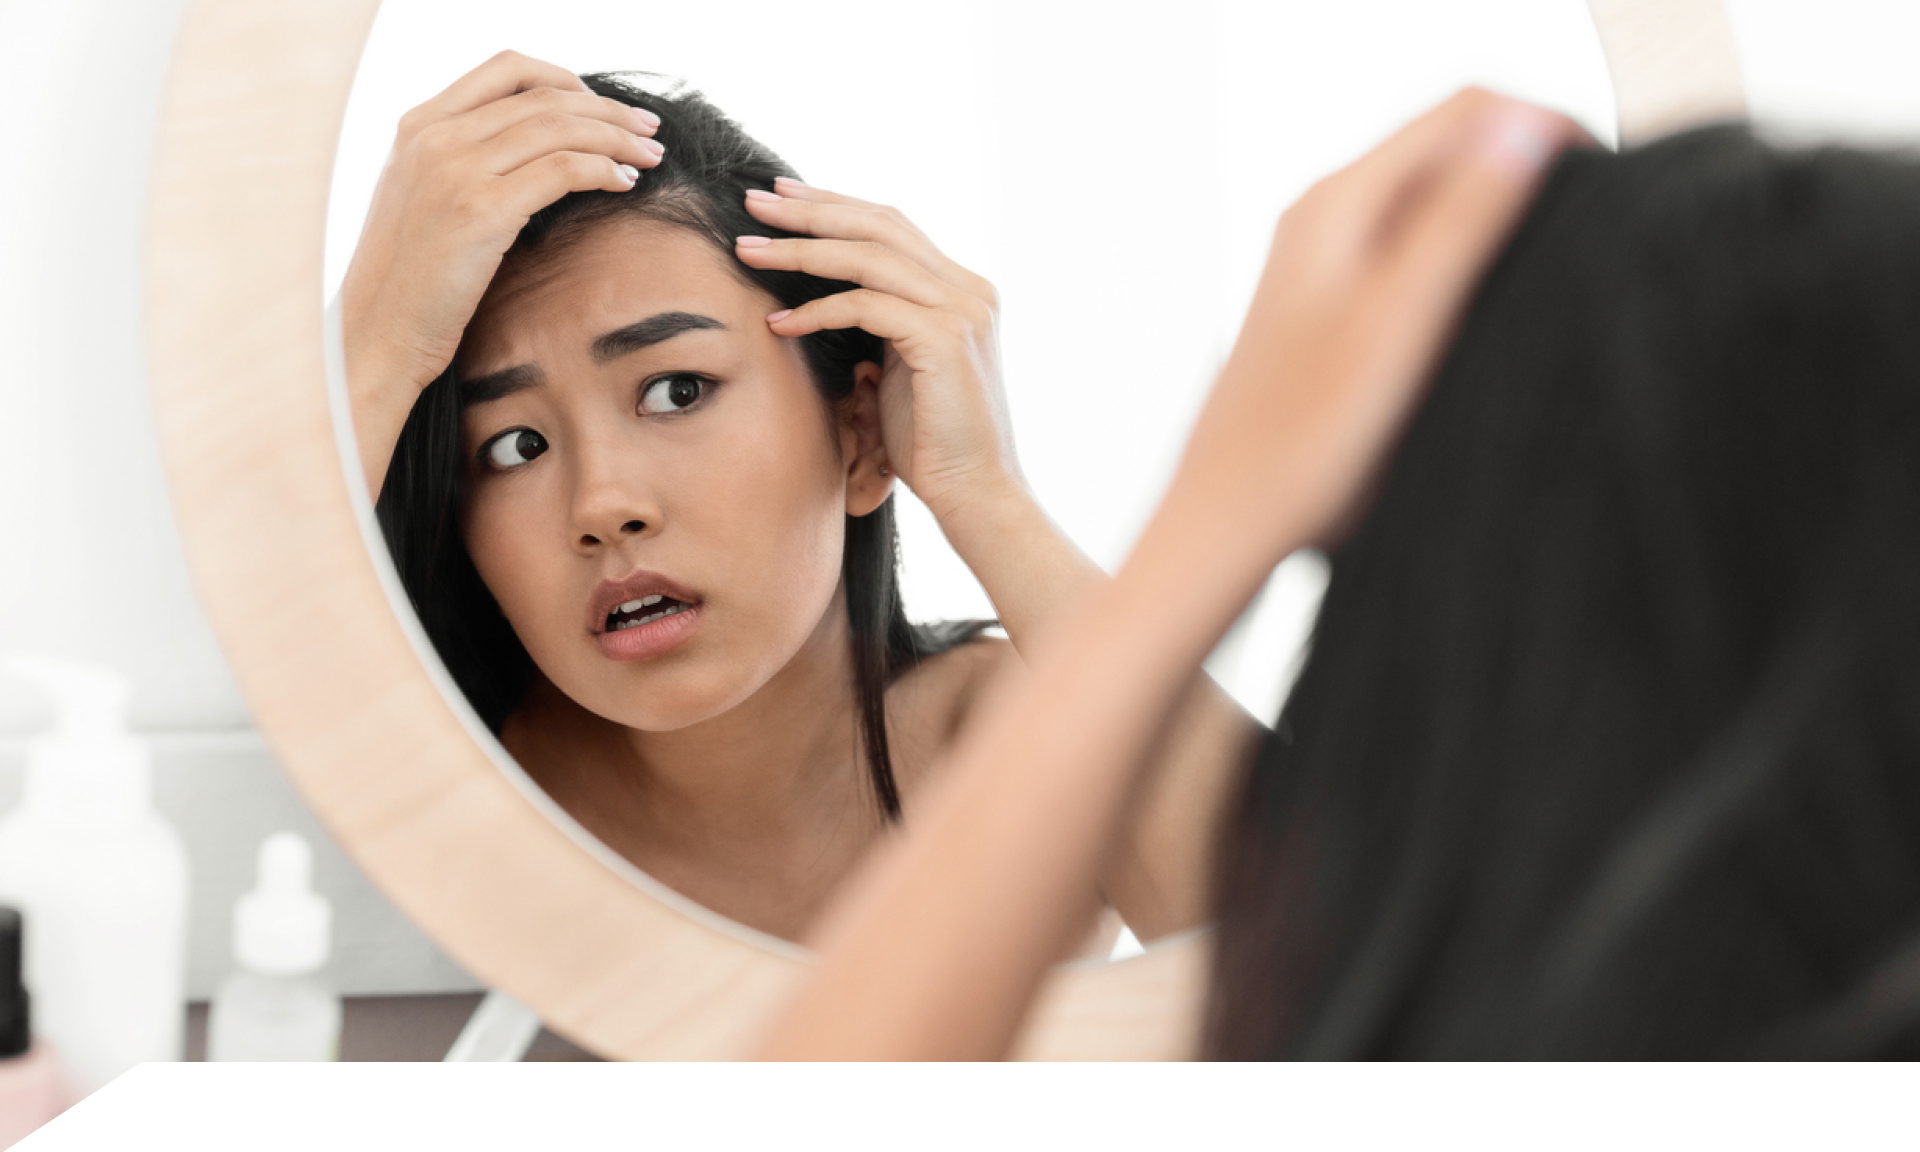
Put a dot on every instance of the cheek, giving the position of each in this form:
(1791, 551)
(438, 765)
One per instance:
(506, 551)
(778, 499)
(753, 515)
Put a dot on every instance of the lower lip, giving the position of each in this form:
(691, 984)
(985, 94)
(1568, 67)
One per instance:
(652, 639)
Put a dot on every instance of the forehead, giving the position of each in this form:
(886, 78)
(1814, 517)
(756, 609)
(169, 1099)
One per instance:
(553, 304)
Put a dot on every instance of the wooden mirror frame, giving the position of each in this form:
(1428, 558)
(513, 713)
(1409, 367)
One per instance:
(273, 517)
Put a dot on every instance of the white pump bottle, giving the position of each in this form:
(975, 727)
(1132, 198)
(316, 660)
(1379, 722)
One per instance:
(274, 1008)
(102, 879)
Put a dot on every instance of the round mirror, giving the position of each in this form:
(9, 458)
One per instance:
(1115, 182)
(1112, 183)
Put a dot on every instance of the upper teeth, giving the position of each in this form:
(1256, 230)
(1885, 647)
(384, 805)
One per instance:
(643, 602)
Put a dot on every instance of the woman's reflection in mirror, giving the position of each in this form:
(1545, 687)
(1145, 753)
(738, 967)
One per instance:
(634, 401)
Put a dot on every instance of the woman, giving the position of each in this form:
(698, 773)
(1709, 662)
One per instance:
(1606, 746)
(634, 400)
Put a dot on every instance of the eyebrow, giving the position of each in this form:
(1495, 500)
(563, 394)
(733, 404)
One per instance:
(646, 333)
(496, 385)
(611, 346)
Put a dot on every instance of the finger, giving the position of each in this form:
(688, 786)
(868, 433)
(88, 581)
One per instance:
(888, 317)
(491, 119)
(502, 76)
(530, 139)
(836, 221)
(1364, 201)
(866, 263)
(1429, 136)
(790, 187)
(1473, 205)
(533, 186)
(830, 214)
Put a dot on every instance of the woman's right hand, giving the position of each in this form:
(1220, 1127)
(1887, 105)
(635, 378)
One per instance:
(1366, 278)
(468, 168)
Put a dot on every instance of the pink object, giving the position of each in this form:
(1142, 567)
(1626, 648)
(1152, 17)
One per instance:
(33, 1090)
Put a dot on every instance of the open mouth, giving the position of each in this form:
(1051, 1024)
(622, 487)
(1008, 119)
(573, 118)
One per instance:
(644, 610)
(642, 616)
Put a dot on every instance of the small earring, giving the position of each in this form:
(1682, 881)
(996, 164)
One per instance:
(883, 470)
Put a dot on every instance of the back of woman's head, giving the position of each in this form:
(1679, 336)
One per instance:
(1609, 740)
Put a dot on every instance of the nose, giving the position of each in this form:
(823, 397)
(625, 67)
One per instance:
(612, 498)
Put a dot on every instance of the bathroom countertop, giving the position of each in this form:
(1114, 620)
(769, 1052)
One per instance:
(399, 1028)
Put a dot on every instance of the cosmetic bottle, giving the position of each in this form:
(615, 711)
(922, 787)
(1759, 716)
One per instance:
(274, 1008)
(101, 879)
(33, 1086)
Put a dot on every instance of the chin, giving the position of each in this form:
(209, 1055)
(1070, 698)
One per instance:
(665, 699)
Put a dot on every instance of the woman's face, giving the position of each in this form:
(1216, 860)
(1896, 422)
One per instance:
(655, 490)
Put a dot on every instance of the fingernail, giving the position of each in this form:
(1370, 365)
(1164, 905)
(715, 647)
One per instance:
(653, 146)
(752, 241)
(776, 317)
(760, 194)
(1518, 137)
(788, 180)
(629, 173)
(646, 118)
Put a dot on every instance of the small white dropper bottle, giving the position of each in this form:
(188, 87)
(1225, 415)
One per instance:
(274, 1008)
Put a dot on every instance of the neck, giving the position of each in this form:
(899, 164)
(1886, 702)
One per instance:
(790, 752)
(782, 767)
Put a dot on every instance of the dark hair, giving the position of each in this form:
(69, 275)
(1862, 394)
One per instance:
(1608, 744)
(700, 185)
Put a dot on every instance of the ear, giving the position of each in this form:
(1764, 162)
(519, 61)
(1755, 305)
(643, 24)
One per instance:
(861, 444)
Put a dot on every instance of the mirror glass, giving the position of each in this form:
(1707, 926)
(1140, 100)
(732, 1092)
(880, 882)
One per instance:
(1114, 172)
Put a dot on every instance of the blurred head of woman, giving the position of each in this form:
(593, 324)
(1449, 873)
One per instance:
(1608, 744)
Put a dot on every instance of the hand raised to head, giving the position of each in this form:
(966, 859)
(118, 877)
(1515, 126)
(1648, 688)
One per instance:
(468, 168)
(943, 409)
(1364, 283)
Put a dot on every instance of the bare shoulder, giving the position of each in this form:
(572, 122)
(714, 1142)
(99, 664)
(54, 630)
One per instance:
(943, 688)
(927, 705)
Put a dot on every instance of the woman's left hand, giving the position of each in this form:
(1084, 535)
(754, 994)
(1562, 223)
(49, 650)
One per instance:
(943, 411)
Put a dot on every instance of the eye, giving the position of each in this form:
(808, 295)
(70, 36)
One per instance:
(674, 393)
(514, 448)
